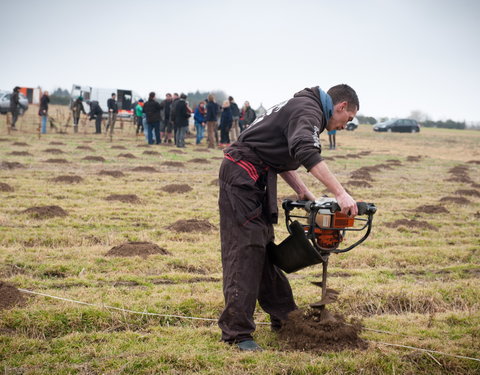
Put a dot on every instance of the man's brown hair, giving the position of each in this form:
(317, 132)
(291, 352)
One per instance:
(344, 93)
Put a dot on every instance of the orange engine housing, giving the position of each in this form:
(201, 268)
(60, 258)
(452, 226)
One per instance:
(331, 238)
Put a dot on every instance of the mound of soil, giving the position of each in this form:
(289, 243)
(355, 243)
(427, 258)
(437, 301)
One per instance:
(57, 161)
(10, 296)
(57, 143)
(459, 169)
(370, 169)
(394, 161)
(361, 175)
(144, 169)
(177, 188)
(457, 200)
(20, 153)
(199, 160)
(472, 193)
(414, 224)
(3, 140)
(413, 158)
(94, 158)
(11, 165)
(128, 156)
(131, 249)
(364, 153)
(191, 225)
(216, 158)
(432, 209)
(353, 156)
(319, 331)
(475, 185)
(359, 183)
(148, 152)
(115, 174)
(54, 151)
(474, 162)
(20, 144)
(68, 179)
(214, 182)
(384, 166)
(125, 198)
(5, 187)
(176, 151)
(118, 148)
(88, 148)
(45, 212)
(201, 150)
(178, 164)
(461, 178)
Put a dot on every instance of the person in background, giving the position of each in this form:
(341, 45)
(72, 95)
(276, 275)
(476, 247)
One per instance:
(77, 109)
(15, 106)
(235, 130)
(212, 113)
(176, 98)
(43, 111)
(332, 135)
(225, 124)
(182, 114)
(152, 112)
(139, 116)
(199, 118)
(166, 127)
(249, 116)
(112, 112)
(96, 112)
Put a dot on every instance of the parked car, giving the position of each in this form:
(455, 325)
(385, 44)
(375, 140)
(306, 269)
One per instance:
(352, 125)
(397, 125)
(5, 102)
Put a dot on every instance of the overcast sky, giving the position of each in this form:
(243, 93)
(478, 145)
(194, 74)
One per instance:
(398, 55)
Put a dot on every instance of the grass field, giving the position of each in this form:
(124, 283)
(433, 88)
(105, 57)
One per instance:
(414, 282)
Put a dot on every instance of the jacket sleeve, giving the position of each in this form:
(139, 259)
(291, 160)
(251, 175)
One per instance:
(303, 140)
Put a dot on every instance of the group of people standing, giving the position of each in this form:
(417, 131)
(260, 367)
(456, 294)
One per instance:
(162, 121)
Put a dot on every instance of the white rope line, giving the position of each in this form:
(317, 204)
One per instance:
(215, 320)
(424, 350)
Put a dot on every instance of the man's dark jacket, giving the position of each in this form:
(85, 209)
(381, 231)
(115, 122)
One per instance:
(212, 111)
(181, 114)
(14, 101)
(152, 109)
(112, 105)
(287, 136)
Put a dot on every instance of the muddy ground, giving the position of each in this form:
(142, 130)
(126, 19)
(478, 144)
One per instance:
(320, 331)
(131, 249)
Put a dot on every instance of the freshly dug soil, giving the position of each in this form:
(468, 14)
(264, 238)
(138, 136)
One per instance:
(177, 188)
(20, 153)
(353, 156)
(125, 198)
(57, 161)
(412, 158)
(118, 147)
(474, 162)
(320, 331)
(45, 212)
(214, 182)
(361, 175)
(3, 140)
(394, 161)
(191, 225)
(10, 296)
(432, 209)
(216, 158)
(459, 169)
(475, 185)
(457, 200)
(11, 165)
(472, 193)
(131, 249)
(359, 183)
(201, 149)
(128, 156)
(415, 224)
(176, 151)
(199, 160)
(148, 152)
(461, 178)
(20, 144)
(115, 174)
(57, 143)
(88, 148)
(178, 164)
(55, 151)
(68, 179)
(94, 158)
(5, 187)
(144, 169)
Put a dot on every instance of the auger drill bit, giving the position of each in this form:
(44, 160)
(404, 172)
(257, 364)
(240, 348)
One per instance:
(328, 295)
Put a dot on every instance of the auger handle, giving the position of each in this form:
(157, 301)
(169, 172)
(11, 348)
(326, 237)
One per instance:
(364, 208)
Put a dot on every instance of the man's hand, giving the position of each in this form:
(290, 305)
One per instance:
(347, 204)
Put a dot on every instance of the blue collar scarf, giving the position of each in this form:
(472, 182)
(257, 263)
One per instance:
(327, 104)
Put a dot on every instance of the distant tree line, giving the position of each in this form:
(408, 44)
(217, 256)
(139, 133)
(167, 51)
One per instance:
(448, 124)
(60, 97)
(366, 120)
(196, 97)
